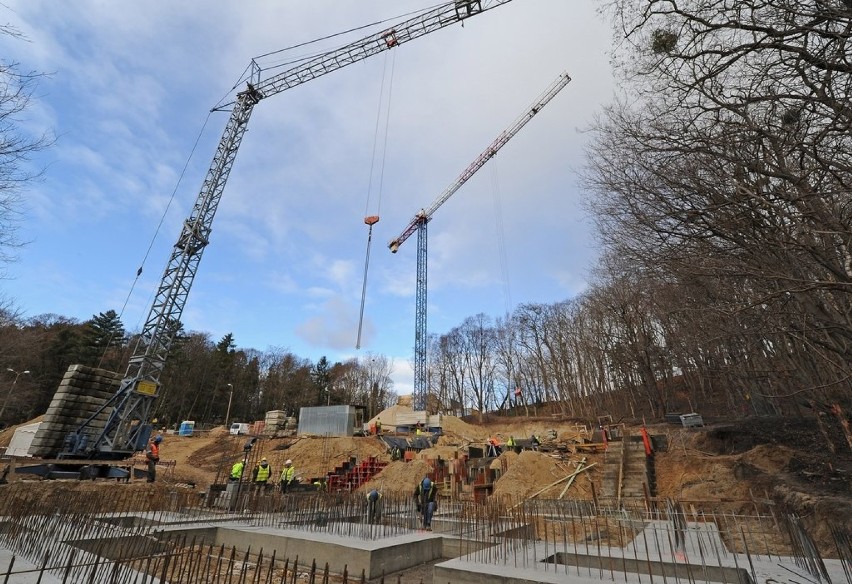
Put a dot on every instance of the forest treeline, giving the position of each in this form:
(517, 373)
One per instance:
(720, 183)
(201, 377)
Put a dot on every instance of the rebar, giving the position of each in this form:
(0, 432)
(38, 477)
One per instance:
(101, 537)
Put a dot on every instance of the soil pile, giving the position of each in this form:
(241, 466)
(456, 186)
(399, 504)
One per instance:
(398, 477)
(534, 473)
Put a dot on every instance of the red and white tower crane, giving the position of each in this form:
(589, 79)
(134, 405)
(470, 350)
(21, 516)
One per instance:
(418, 224)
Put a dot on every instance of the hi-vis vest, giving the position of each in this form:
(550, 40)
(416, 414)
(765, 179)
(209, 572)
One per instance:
(262, 473)
(237, 470)
(287, 474)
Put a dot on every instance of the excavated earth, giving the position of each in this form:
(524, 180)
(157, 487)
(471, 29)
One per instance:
(786, 461)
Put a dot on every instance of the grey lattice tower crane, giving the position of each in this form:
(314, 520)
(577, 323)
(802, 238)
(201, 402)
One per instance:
(425, 215)
(127, 428)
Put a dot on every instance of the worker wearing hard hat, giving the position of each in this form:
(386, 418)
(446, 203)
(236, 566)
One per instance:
(261, 473)
(425, 499)
(374, 498)
(288, 475)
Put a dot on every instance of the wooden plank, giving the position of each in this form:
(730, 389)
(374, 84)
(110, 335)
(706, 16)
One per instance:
(554, 483)
(573, 476)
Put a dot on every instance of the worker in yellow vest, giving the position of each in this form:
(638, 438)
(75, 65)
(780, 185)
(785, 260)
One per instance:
(288, 475)
(261, 474)
(237, 471)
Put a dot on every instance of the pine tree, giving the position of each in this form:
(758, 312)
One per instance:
(104, 340)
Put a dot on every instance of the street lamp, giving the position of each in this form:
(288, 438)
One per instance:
(230, 397)
(12, 388)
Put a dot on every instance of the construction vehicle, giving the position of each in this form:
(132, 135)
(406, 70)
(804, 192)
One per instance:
(127, 427)
(418, 224)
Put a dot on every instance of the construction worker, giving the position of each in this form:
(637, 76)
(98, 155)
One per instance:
(261, 473)
(373, 500)
(378, 426)
(419, 430)
(493, 447)
(425, 499)
(535, 441)
(237, 471)
(510, 443)
(288, 475)
(152, 454)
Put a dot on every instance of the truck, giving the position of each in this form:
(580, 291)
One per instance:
(238, 428)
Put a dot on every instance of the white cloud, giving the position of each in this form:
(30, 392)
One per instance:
(131, 88)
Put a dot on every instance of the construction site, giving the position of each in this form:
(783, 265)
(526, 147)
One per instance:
(720, 502)
(97, 490)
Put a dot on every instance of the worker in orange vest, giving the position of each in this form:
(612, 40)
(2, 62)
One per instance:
(152, 454)
(493, 447)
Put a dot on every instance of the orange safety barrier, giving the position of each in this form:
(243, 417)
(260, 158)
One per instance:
(646, 440)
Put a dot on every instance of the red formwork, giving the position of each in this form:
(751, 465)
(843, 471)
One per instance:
(349, 476)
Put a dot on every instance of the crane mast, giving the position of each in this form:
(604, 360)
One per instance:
(127, 427)
(422, 218)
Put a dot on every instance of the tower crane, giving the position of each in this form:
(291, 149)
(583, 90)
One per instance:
(127, 427)
(421, 219)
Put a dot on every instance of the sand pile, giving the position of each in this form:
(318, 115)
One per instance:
(315, 456)
(399, 477)
(528, 472)
(389, 415)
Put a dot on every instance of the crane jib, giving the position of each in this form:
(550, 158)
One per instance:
(554, 88)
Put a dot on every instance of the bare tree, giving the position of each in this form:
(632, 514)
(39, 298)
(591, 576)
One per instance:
(16, 147)
(727, 175)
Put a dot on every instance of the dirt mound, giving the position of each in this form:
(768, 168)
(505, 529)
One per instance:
(314, 456)
(398, 477)
(389, 415)
(459, 429)
(529, 472)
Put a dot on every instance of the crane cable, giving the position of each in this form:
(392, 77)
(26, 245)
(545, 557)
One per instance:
(501, 236)
(371, 220)
(157, 232)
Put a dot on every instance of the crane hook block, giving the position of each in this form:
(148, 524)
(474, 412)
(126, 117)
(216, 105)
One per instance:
(371, 219)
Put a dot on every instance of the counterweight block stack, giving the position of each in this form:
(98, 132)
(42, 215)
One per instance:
(81, 393)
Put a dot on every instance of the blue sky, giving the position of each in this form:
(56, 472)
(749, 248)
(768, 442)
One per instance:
(130, 89)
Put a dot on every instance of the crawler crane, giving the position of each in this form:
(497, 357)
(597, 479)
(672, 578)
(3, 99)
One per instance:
(418, 224)
(128, 426)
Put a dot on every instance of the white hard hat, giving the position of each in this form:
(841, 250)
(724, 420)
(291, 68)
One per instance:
(288, 461)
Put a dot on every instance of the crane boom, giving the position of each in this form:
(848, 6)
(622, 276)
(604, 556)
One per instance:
(422, 218)
(127, 427)
(487, 154)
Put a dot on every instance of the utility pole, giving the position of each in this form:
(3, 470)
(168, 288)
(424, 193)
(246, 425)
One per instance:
(230, 397)
(12, 388)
